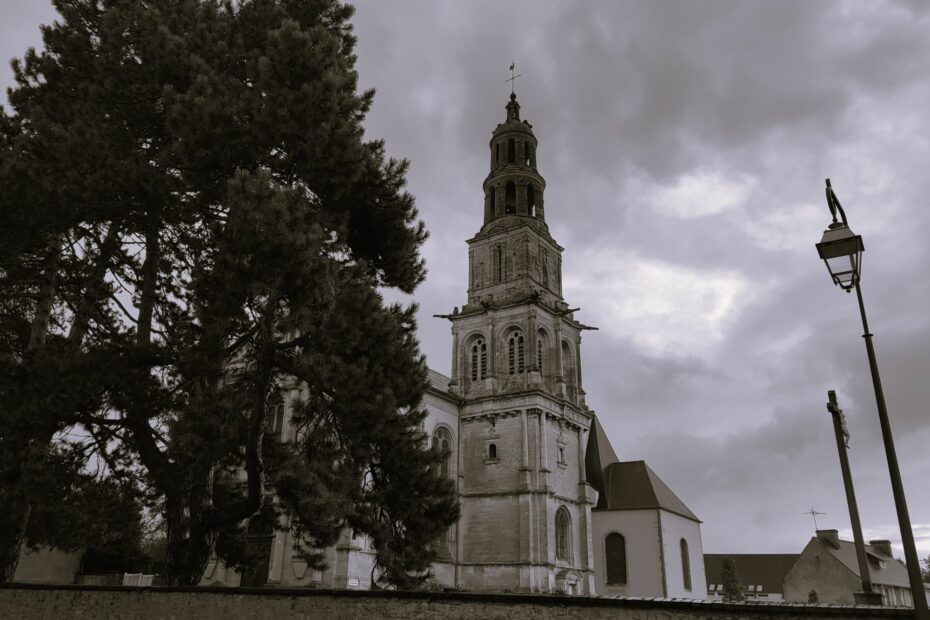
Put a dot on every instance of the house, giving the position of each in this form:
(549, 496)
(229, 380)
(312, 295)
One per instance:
(761, 574)
(829, 567)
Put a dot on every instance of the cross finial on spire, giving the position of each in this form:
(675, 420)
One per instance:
(512, 77)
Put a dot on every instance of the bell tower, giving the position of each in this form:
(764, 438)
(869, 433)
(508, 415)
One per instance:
(508, 266)
(513, 187)
(516, 365)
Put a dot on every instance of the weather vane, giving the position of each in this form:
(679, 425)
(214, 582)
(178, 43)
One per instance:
(512, 77)
(814, 514)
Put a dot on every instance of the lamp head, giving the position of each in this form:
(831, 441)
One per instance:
(841, 249)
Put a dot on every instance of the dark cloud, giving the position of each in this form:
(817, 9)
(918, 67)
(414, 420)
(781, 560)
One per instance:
(685, 145)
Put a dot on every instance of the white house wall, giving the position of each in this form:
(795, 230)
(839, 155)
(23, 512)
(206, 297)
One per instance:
(674, 529)
(643, 560)
(648, 564)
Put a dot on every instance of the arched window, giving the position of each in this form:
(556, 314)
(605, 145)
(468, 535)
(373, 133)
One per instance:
(563, 535)
(479, 359)
(492, 451)
(568, 365)
(528, 152)
(510, 198)
(274, 416)
(442, 443)
(542, 349)
(685, 565)
(492, 197)
(515, 353)
(531, 200)
(615, 553)
(511, 151)
(497, 152)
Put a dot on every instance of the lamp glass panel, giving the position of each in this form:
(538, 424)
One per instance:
(842, 263)
(844, 269)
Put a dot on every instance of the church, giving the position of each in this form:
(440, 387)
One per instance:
(546, 504)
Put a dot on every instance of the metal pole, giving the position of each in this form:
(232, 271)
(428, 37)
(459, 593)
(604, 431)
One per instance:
(897, 488)
(866, 597)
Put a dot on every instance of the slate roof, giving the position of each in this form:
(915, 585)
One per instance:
(893, 573)
(634, 486)
(757, 569)
(598, 455)
(438, 380)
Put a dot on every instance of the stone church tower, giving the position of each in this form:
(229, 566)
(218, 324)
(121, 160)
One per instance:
(516, 365)
(547, 506)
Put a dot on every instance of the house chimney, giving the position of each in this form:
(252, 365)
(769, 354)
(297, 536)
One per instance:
(882, 546)
(830, 537)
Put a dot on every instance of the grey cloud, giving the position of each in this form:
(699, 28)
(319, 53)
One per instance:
(625, 99)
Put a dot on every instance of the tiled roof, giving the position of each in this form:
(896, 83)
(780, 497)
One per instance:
(883, 568)
(634, 486)
(752, 569)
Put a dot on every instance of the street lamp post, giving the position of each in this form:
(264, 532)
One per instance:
(841, 250)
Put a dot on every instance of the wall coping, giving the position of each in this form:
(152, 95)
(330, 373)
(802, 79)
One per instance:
(768, 608)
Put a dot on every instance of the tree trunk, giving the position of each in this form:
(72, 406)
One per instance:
(94, 288)
(43, 312)
(13, 524)
(149, 282)
(189, 546)
(15, 509)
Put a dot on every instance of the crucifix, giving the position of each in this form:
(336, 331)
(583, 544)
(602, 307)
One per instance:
(814, 514)
(512, 77)
(842, 445)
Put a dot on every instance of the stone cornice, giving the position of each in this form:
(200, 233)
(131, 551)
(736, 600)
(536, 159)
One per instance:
(568, 415)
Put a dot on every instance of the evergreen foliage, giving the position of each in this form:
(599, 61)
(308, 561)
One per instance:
(193, 225)
(732, 589)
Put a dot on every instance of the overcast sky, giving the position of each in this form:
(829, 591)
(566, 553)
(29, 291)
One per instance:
(685, 147)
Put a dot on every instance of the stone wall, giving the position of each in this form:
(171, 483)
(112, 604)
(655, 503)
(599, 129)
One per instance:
(32, 602)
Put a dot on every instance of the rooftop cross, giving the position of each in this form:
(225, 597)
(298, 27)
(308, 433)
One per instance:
(512, 77)
(814, 514)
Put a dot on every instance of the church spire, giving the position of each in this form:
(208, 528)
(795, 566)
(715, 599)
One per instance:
(514, 187)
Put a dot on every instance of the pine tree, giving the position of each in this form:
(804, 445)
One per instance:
(206, 226)
(732, 588)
